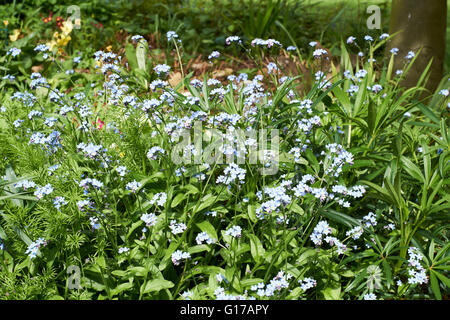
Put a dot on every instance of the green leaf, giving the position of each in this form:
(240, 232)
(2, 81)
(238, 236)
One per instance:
(435, 286)
(256, 248)
(198, 248)
(431, 250)
(423, 124)
(3, 234)
(387, 271)
(412, 169)
(360, 277)
(296, 208)
(157, 285)
(443, 278)
(339, 217)
(23, 236)
(137, 271)
(134, 226)
(344, 101)
(18, 196)
(206, 202)
(130, 53)
(11, 176)
(251, 282)
(119, 273)
(429, 113)
(252, 213)
(177, 200)
(207, 227)
(332, 293)
(371, 116)
(121, 287)
(442, 252)
(172, 247)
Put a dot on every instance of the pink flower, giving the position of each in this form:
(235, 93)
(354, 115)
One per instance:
(99, 124)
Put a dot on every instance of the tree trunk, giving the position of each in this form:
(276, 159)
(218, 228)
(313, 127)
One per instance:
(422, 25)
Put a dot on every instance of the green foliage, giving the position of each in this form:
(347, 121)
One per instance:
(358, 205)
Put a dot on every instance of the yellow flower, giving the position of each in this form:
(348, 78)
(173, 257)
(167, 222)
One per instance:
(122, 154)
(51, 44)
(15, 35)
(109, 48)
(5, 22)
(63, 41)
(67, 27)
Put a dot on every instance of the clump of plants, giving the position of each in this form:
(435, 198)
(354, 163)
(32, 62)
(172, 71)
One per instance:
(145, 182)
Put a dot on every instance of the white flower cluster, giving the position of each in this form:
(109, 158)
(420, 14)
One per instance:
(179, 255)
(149, 219)
(231, 39)
(265, 43)
(93, 182)
(204, 237)
(90, 150)
(355, 233)
(339, 158)
(370, 219)
(307, 283)
(121, 170)
(153, 153)
(370, 296)
(25, 184)
(214, 55)
(231, 173)
(224, 118)
(148, 105)
(171, 35)
(33, 248)
(341, 248)
(123, 250)
(136, 38)
(42, 191)
(162, 69)
(278, 283)
(222, 295)
(417, 272)
(34, 113)
(297, 151)
(320, 230)
(158, 84)
(234, 231)
(177, 228)
(277, 198)
(306, 125)
(159, 198)
(319, 53)
(58, 202)
(133, 186)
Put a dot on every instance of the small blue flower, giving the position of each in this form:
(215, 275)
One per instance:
(171, 35)
(13, 52)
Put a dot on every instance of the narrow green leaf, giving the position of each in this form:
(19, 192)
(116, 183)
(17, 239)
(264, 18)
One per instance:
(207, 227)
(157, 285)
(435, 286)
(256, 248)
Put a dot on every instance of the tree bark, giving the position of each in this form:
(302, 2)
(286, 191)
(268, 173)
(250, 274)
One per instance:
(422, 25)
